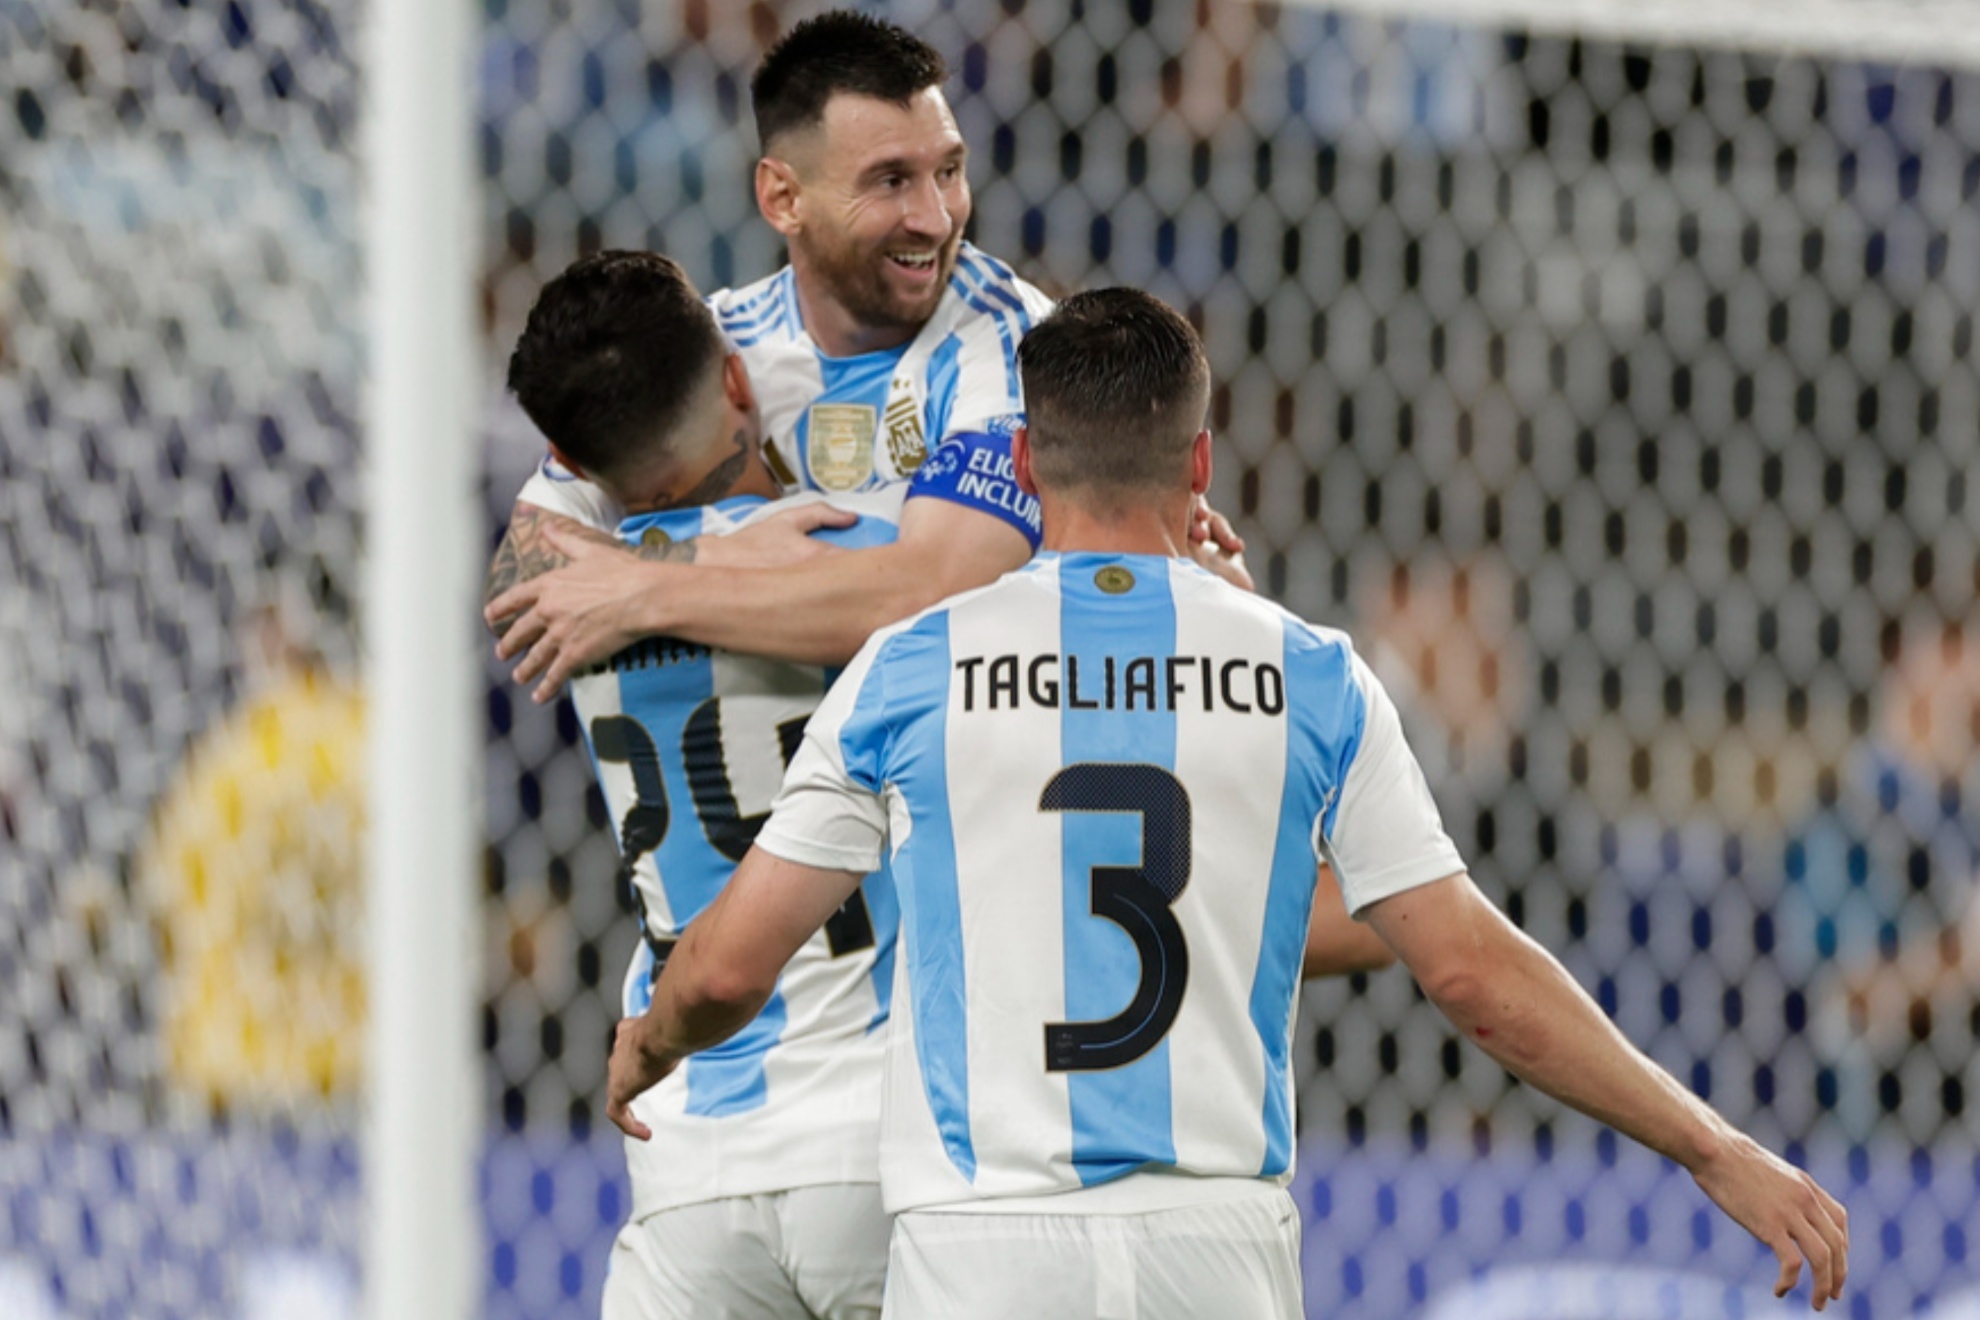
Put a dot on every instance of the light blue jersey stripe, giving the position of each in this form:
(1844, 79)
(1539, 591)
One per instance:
(749, 320)
(729, 1079)
(898, 722)
(883, 906)
(1121, 1117)
(943, 377)
(1326, 713)
(996, 289)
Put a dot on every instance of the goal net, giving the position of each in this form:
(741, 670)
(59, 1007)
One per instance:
(1608, 375)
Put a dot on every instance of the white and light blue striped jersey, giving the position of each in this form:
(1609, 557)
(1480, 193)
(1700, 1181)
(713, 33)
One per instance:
(1105, 783)
(858, 423)
(689, 745)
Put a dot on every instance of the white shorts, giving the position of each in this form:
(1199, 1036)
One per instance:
(812, 1252)
(1234, 1260)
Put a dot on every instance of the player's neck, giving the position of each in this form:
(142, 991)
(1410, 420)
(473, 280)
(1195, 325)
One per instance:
(1141, 530)
(836, 331)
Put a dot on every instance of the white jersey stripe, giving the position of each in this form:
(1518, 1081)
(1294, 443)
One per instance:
(1011, 929)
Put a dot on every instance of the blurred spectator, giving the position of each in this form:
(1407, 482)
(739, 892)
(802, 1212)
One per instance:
(254, 864)
(1878, 916)
(1442, 637)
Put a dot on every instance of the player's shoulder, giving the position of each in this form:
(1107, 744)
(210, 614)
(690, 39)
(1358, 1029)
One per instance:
(878, 512)
(1301, 634)
(763, 311)
(988, 291)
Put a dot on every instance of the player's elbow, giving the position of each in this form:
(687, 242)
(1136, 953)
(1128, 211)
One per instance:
(1493, 1008)
(729, 989)
(1464, 992)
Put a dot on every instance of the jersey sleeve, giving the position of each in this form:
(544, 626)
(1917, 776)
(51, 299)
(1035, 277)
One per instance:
(974, 469)
(1384, 834)
(988, 394)
(555, 488)
(830, 812)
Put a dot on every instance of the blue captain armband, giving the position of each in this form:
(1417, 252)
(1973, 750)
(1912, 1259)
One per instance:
(973, 469)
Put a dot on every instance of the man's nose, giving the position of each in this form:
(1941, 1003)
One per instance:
(927, 211)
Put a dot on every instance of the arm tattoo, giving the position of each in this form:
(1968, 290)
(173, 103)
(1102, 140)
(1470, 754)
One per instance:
(524, 553)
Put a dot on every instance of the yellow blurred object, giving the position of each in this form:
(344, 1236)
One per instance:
(256, 864)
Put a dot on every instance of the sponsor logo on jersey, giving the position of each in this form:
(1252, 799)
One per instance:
(907, 444)
(947, 459)
(839, 444)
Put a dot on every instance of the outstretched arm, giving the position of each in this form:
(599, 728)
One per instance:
(722, 972)
(816, 612)
(540, 541)
(1519, 1004)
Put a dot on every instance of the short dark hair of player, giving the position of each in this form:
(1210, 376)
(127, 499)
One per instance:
(838, 52)
(1115, 391)
(616, 351)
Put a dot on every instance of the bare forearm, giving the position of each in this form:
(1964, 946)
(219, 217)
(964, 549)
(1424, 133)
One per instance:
(818, 612)
(695, 1008)
(1533, 1018)
(822, 610)
(1516, 1002)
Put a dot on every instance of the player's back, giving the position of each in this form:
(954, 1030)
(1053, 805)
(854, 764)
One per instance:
(689, 745)
(1110, 772)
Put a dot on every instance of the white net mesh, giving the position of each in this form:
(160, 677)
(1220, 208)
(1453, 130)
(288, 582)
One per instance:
(1616, 391)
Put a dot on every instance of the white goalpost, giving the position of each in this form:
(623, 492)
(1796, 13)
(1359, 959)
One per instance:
(424, 1119)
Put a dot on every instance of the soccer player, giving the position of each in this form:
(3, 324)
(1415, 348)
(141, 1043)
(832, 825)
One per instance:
(885, 352)
(759, 1195)
(1104, 784)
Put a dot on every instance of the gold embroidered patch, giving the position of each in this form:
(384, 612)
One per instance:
(1114, 580)
(839, 444)
(906, 443)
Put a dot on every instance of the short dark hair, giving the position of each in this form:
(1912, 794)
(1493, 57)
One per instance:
(1115, 390)
(612, 357)
(838, 51)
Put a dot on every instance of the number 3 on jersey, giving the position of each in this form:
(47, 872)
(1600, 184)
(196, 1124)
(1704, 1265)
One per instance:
(623, 740)
(1135, 898)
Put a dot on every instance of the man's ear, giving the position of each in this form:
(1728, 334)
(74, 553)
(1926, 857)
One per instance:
(569, 465)
(1021, 460)
(779, 195)
(736, 387)
(1199, 463)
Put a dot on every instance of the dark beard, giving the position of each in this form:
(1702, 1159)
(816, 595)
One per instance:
(859, 285)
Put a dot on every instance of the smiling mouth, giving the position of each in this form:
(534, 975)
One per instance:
(919, 262)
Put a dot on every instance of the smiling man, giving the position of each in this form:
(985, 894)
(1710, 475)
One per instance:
(887, 340)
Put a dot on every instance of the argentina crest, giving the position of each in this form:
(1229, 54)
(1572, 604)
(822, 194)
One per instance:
(838, 445)
(907, 444)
